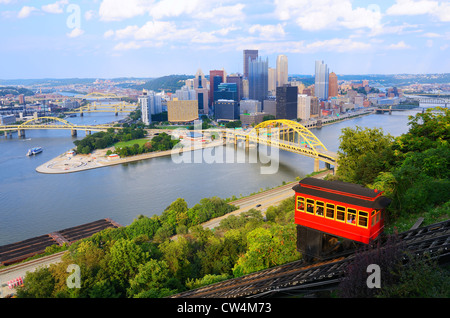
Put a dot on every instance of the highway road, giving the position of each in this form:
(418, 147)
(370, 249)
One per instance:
(20, 270)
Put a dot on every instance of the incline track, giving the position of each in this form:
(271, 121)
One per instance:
(296, 276)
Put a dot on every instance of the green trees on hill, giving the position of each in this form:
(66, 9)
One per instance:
(140, 260)
(413, 169)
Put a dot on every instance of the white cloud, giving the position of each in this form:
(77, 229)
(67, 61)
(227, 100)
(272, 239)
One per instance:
(440, 10)
(412, 7)
(392, 29)
(268, 31)
(327, 14)
(173, 8)
(76, 32)
(26, 11)
(57, 7)
(89, 15)
(213, 10)
(398, 46)
(432, 35)
(116, 10)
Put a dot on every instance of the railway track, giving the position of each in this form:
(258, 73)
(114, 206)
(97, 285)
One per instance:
(298, 276)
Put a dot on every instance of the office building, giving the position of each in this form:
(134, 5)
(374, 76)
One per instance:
(286, 102)
(270, 106)
(202, 92)
(182, 111)
(315, 107)
(226, 110)
(185, 93)
(248, 119)
(226, 91)
(272, 81)
(151, 104)
(282, 70)
(303, 106)
(258, 78)
(7, 119)
(249, 55)
(200, 80)
(239, 81)
(332, 85)
(248, 106)
(215, 78)
(321, 80)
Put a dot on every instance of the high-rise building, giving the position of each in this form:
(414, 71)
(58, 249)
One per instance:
(258, 79)
(151, 104)
(332, 85)
(321, 80)
(272, 81)
(249, 106)
(286, 102)
(315, 107)
(215, 78)
(200, 80)
(226, 109)
(303, 106)
(202, 93)
(226, 91)
(249, 55)
(238, 80)
(282, 70)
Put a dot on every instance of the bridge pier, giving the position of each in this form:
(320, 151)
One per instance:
(316, 165)
(73, 132)
(21, 133)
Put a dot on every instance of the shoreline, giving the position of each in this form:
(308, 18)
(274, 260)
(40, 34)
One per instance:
(64, 163)
(98, 159)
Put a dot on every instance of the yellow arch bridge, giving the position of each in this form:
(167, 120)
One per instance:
(286, 135)
(104, 108)
(52, 123)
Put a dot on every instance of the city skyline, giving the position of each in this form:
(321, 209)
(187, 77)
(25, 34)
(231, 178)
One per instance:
(149, 38)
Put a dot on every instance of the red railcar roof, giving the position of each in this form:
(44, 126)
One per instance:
(344, 192)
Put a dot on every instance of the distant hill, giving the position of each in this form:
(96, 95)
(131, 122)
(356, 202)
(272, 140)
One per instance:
(168, 83)
(15, 91)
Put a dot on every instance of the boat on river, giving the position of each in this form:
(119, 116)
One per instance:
(34, 151)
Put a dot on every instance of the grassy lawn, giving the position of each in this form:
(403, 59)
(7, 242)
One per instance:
(130, 143)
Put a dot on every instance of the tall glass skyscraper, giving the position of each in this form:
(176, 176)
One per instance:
(249, 55)
(282, 70)
(321, 83)
(258, 79)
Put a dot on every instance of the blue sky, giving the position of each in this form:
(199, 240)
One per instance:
(151, 38)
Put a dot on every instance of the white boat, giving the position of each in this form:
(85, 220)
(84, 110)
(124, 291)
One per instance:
(34, 151)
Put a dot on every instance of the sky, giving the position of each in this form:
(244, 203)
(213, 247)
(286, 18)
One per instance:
(153, 38)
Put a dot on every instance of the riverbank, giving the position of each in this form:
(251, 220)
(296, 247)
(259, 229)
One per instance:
(67, 163)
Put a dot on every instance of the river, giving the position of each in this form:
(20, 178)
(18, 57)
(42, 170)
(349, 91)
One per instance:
(33, 204)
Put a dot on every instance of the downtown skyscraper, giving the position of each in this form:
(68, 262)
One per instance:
(249, 55)
(282, 70)
(321, 80)
(258, 79)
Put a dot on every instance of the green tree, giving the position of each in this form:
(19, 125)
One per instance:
(363, 154)
(267, 248)
(37, 284)
(124, 260)
(427, 130)
(152, 275)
